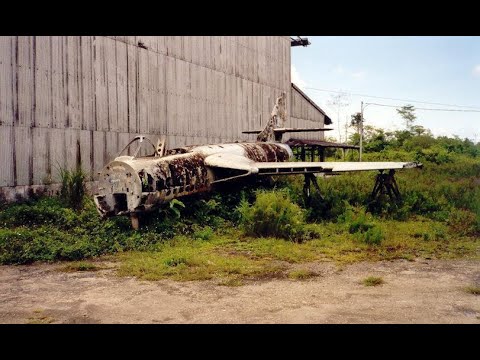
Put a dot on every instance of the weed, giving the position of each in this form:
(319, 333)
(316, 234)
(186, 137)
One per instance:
(73, 187)
(175, 261)
(38, 317)
(474, 290)
(372, 281)
(301, 274)
(203, 234)
(80, 266)
(232, 281)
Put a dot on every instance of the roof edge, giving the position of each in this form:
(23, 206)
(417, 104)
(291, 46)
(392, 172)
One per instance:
(328, 121)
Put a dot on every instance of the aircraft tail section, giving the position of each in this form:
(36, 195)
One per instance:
(277, 120)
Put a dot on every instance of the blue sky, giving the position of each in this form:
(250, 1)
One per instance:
(431, 69)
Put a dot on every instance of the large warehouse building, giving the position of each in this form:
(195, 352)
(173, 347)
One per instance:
(73, 100)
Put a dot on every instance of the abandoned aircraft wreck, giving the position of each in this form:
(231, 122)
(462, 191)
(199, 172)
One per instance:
(131, 185)
(68, 101)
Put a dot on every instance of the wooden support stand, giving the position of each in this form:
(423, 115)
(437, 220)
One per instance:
(386, 184)
(310, 179)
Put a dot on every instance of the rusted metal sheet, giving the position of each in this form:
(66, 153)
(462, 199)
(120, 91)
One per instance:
(111, 70)
(6, 156)
(121, 55)
(7, 105)
(25, 80)
(23, 156)
(57, 151)
(73, 82)
(39, 160)
(43, 82)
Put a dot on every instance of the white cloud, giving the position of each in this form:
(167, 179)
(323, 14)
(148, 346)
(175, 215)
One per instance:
(476, 70)
(296, 79)
(359, 74)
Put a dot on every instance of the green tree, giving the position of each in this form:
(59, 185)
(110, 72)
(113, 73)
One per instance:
(407, 112)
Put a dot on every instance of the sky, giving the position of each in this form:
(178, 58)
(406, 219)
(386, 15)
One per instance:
(438, 69)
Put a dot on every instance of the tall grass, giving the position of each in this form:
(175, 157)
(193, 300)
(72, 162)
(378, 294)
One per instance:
(73, 187)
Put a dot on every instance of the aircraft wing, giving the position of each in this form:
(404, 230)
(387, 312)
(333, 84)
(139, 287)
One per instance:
(303, 167)
(236, 166)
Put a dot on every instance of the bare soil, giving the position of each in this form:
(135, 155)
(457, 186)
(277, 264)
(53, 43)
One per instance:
(421, 291)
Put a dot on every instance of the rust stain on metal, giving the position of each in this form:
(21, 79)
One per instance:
(265, 152)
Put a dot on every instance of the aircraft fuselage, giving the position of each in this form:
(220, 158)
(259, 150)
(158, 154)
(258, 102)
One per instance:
(130, 185)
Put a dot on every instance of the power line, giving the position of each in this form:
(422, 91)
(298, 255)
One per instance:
(418, 108)
(388, 98)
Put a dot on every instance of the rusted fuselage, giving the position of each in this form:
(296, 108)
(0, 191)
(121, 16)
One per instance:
(129, 185)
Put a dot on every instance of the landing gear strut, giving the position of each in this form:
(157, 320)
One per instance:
(386, 184)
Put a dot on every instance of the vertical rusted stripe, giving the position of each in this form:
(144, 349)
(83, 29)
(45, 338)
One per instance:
(66, 82)
(137, 74)
(78, 157)
(49, 160)
(105, 73)
(14, 156)
(165, 92)
(105, 157)
(30, 159)
(16, 81)
(34, 77)
(93, 58)
(51, 83)
(80, 84)
(92, 157)
(128, 93)
(116, 85)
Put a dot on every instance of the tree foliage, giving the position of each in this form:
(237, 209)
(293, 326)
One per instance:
(407, 112)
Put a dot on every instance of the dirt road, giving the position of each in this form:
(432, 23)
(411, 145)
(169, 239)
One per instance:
(423, 291)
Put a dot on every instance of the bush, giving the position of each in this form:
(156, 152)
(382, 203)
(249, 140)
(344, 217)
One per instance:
(273, 214)
(372, 236)
(433, 154)
(463, 222)
(203, 234)
(361, 225)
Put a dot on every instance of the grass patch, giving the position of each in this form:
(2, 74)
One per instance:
(301, 274)
(373, 281)
(231, 256)
(39, 317)
(474, 290)
(184, 259)
(232, 281)
(80, 266)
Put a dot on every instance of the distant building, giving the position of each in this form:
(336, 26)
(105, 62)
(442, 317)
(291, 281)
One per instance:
(75, 100)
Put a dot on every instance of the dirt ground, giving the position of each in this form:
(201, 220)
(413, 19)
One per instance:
(422, 291)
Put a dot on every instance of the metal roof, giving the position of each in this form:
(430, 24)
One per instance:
(328, 121)
(321, 143)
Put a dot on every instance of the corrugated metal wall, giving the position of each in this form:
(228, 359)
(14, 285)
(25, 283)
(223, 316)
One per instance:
(65, 100)
(305, 115)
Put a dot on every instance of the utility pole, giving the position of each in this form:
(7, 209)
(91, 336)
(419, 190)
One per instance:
(361, 131)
